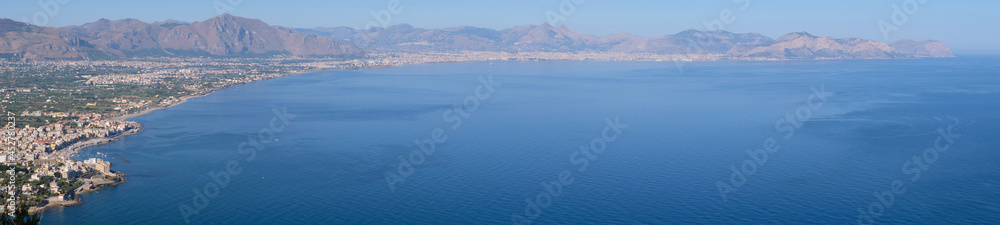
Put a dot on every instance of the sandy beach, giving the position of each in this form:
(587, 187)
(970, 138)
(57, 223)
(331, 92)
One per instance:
(181, 100)
(75, 148)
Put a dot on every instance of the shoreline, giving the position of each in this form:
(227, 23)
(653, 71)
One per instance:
(181, 100)
(74, 195)
(122, 118)
(75, 148)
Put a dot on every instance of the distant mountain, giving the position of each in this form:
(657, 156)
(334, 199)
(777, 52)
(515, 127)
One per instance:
(227, 35)
(38, 42)
(407, 38)
(927, 48)
(223, 35)
(691, 42)
(544, 37)
(547, 38)
(803, 45)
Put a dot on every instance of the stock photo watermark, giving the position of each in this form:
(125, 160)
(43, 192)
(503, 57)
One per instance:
(581, 159)
(50, 8)
(697, 46)
(9, 133)
(222, 178)
(565, 9)
(227, 6)
(913, 169)
(758, 157)
(726, 16)
(455, 116)
(900, 15)
(381, 19)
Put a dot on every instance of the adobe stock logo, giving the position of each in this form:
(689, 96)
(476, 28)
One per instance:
(758, 157)
(566, 9)
(914, 167)
(221, 179)
(899, 17)
(425, 148)
(699, 45)
(380, 19)
(226, 7)
(580, 159)
(50, 8)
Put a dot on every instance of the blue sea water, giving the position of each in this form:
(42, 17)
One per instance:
(686, 130)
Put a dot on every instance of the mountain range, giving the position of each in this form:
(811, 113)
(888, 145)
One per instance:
(223, 35)
(547, 38)
(228, 35)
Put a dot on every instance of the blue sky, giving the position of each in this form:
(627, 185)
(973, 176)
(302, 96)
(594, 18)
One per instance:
(967, 26)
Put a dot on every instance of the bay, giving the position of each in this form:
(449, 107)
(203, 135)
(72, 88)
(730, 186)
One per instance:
(687, 127)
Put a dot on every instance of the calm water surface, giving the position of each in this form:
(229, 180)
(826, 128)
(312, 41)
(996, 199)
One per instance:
(686, 130)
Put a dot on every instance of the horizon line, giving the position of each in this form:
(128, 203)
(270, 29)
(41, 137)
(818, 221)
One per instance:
(398, 24)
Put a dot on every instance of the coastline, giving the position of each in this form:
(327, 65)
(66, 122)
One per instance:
(74, 149)
(74, 195)
(74, 199)
(181, 100)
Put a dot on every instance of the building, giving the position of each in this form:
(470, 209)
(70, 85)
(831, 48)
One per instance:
(99, 165)
(46, 162)
(103, 167)
(69, 173)
(53, 187)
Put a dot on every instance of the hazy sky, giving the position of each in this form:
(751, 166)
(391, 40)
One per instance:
(967, 26)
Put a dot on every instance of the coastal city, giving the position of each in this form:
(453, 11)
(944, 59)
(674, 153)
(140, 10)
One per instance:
(499, 112)
(56, 107)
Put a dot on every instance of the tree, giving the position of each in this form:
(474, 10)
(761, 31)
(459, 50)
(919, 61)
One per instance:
(20, 217)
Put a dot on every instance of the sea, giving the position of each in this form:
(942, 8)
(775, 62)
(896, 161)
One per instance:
(907, 141)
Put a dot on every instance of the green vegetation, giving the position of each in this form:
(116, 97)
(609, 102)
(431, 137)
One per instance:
(43, 180)
(48, 92)
(64, 89)
(20, 217)
(65, 187)
(87, 93)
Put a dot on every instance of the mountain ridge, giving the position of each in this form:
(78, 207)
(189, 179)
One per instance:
(223, 35)
(547, 38)
(228, 35)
